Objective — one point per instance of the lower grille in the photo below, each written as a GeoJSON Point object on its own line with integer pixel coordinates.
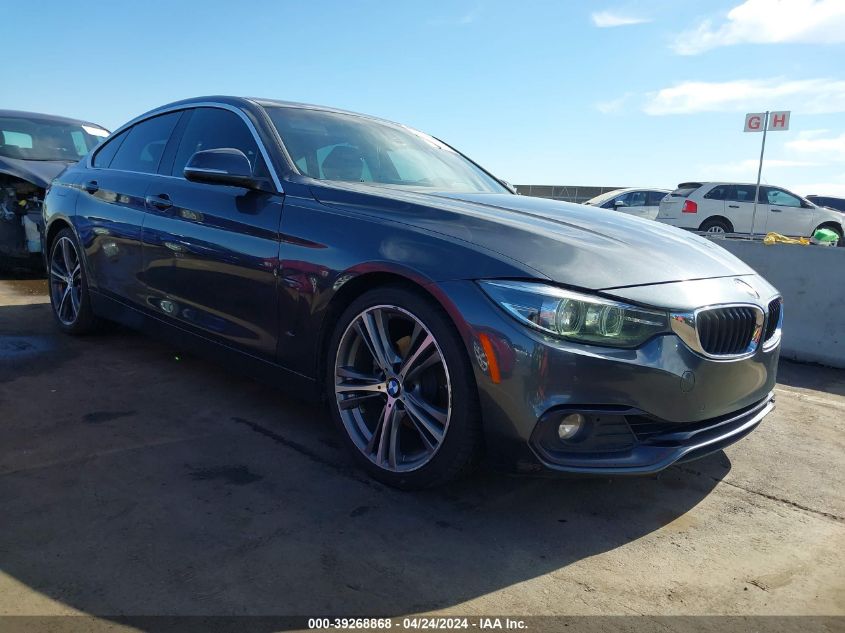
{"type": "Point", "coordinates": [650, 429]}
{"type": "Point", "coordinates": [726, 331]}
{"type": "Point", "coordinates": [774, 318]}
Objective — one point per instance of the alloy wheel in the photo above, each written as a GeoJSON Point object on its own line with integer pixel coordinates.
{"type": "Point", "coordinates": [65, 280]}
{"type": "Point", "coordinates": [392, 388]}
{"type": "Point", "coordinates": [716, 229]}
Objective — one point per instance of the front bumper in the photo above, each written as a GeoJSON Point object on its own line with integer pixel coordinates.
{"type": "Point", "coordinates": [648, 407]}
{"type": "Point", "coordinates": [641, 444]}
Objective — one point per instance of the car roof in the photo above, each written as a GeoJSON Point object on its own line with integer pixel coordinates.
{"type": "Point", "coordinates": [615, 192]}
{"type": "Point", "coordinates": [699, 183]}
{"type": "Point", "coordinates": [627, 189]}
{"type": "Point", "coordinates": [21, 114]}
{"type": "Point", "coordinates": [251, 102]}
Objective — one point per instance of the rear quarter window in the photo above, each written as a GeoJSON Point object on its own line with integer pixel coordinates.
{"type": "Point", "coordinates": [719, 192]}
{"type": "Point", "coordinates": [105, 154]}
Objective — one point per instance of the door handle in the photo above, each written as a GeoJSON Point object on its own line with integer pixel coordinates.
{"type": "Point", "coordinates": [734, 206]}
{"type": "Point", "coordinates": [776, 210]}
{"type": "Point", "coordinates": [161, 202]}
{"type": "Point", "coordinates": [91, 186]}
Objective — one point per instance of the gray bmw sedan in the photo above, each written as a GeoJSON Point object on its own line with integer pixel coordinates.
{"type": "Point", "coordinates": [442, 317]}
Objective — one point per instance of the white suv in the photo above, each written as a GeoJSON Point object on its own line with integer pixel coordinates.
{"type": "Point", "coordinates": [725, 207]}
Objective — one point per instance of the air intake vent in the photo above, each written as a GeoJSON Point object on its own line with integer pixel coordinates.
{"type": "Point", "coordinates": [727, 331]}
{"type": "Point", "coordinates": [774, 318]}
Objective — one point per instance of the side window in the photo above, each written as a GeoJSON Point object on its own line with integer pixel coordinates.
{"type": "Point", "coordinates": [611, 204]}
{"type": "Point", "coordinates": [213, 128]}
{"type": "Point", "coordinates": [104, 156]}
{"type": "Point", "coordinates": [654, 198]}
{"type": "Point", "coordinates": [144, 144]}
{"type": "Point", "coordinates": [719, 192]}
{"type": "Point", "coordinates": [637, 199]}
{"type": "Point", "coordinates": [782, 199]}
{"type": "Point", "coordinates": [743, 193]}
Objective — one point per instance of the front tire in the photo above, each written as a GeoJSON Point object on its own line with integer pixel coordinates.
{"type": "Point", "coordinates": [69, 286]}
{"type": "Point", "coordinates": [830, 227]}
{"type": "Point", "coordinates": [401, 390]}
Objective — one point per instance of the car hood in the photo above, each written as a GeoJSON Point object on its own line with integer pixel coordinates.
{"type": "Point", "coordinates": [572, 244]}
{"type": "Point", "coordinates": [38, 172]}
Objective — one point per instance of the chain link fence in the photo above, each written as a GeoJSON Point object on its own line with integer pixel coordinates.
{"type": "Point", "coordinates": [566, 193]}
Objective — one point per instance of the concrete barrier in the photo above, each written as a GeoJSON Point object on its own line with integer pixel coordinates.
{"type": "Point", "coordinates": [812, 282]}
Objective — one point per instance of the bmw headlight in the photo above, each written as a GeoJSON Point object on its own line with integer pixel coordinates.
{"type": "Point", "coordinates": [576, 316]}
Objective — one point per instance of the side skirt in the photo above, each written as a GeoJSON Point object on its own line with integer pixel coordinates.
{"type": "Point", "coordinates": [276, 376]}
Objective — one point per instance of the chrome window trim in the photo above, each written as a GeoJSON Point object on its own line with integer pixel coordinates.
{"type": "Point", "coordinates": [190, 106]}
{"type": "Point", "coordinates": [684, 324]}
{"type": "Point", "coordinates": [776, 337]}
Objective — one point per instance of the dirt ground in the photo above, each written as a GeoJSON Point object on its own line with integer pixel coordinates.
{"type": "Point", "coordinates": [136, 480]}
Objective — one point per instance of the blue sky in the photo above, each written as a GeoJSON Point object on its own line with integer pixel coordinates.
{"type": "Point", "coordinates": [647, 93]}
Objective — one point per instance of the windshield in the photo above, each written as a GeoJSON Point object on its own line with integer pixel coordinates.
{"type": "Point", "coordinates": [40, 139]}
{"type": "Point", "coordinates": [603, 197]}
{"type": "Point", "coordinates": [345, 147]}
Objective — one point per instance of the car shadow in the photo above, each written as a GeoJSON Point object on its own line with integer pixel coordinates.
{"type": "Point", "coordinates": [137, 481]}
{"type": "Point", "coordinates": [813, 377]}
{"type": "Point", "coordinates": [14, 272]}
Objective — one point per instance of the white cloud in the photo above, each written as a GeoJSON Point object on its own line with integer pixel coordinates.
{"type": "Point", "coordinates": [807, 96]}
{"type": "Point", "coordinates": [768, 22]}
{"type": "Point", "coordinates": [609, 19]}
{"type": "Point", "coordinates": [823, 148]}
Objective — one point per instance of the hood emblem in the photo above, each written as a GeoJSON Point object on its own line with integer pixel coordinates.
{"type": "Point", "coordinates": [747, 288]}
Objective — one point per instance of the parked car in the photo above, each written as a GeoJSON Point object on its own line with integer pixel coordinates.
{"type": "Point", "coordinates": [723, 207]}
{"type": "Point", "coordinates": [831, 202]}
{"type": "Point", "coordinates": [642, 203]}
{"type": "Point", "coordinates": [34, 148]}
{"type": "Point", "coordinates": [341, 256]}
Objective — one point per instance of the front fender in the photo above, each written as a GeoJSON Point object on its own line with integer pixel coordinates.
{"type": "Point", "coordinates": [323, 249]}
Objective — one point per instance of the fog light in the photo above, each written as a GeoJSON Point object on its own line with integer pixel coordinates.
{"type": "Point", "coordinates": [570, 425]}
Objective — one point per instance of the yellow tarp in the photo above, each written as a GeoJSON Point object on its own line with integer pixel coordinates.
{"type": "Point", "coordinates": [777, 238]}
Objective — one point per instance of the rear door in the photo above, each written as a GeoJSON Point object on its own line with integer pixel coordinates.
{"type": "Point", "coordinates": [712, 203]}
{"type": "Point", "coordinates": [652, 205]}
{"type": "Point", "coordinates": [111, 205]}
{"type": "Point", "coordinates": [211, 251]}
{"type": "Point", "coordinates": [786, 214]}
{"type": "Point", "coordinates": [739, 209]}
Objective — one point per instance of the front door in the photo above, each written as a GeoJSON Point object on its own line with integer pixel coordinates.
{"type": "Point", "coordinates": [210, 252]}
{"type": "Point", "coordinates": [787, 215]}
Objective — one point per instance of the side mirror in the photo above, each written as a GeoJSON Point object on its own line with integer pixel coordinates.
{"type": "Point", "coordinates": [223, 166]}
{"type": "Point", "coordinates": [619, 203]}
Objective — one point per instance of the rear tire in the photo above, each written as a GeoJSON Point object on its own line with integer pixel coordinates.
{"type": "Point", "coordinates": [401, 390]}
{"type": "Point", "coordinates": [68, 285]}
{"type": "Point", "coordinates": [716, 226]}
